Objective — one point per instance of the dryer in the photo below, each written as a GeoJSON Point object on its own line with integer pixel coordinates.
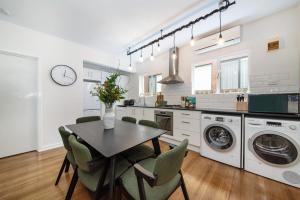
{"type": "Point", "coordinates": [221, 138]}
{"type": "Point", "coordinates": [272, 149]}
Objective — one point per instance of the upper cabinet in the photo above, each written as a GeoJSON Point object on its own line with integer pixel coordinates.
{"type": "Point", "coordinates": [92, 74]}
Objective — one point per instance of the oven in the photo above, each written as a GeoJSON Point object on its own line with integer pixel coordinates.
{"type": "Point", "coordinates": [165, 120]}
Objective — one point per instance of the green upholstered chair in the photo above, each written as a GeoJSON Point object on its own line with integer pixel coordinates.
{"type": "Point", "coordinates": [69, 158]}
{"type": "Point", "coordinates": [87, 119]}
{"type": "Point", "coordinates": [149, 123]}
{"type": "Point", "coordinates": [141, 151]}
{"type": "Point", "coordinates": [129, 119]}
{"type": "Point", "coordinates": [92, 172]}
{"type": "Point", "coordinates": [156, 179]}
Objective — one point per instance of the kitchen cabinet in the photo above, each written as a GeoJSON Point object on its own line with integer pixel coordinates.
{"type": "Point", "coordinates": [148, 114]}
{"type": "Point", "coordinates": [92, 74]}
{"type": "Point", "coordinates": [187, 125]}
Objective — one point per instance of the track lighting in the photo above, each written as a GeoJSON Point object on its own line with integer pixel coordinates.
{"type": "Point", "coordinates": [192, 42]}
{"type": "Point", "coordinates": [141, 56]}
{"type": "Point", "coordinates": [152, 56]}
{"type": "Point", "coordinates": [129, 58]}
{"type": "Point", "coordinates": [223, 5]}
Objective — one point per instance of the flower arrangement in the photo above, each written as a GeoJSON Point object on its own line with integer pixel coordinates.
{"type": "Point", "coordinates": [109, 92]}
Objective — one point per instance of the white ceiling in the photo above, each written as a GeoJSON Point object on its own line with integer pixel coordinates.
{"type": "Point", "coordinates": [103, 24]}
{"type": "Point", "coordinates": [112, 25]}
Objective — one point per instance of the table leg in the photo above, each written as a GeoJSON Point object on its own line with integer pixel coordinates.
{"type": "Point", "coordinates": [112, 178]}
{"type": "Point", "coordinates": [156, 146]}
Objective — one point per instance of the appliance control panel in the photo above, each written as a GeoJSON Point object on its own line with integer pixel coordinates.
{"type": "Point", "coordinates": [273, 124]}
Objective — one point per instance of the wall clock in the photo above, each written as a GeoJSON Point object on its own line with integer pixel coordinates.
{"type": "Point", "coordinates": [63, 75]}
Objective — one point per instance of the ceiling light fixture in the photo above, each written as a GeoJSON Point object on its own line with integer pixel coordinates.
{"type": "Point", "coordinates": [141, 56]}
{"type": "Point", "coordinates": [152, 56]}
{"type": "Point", "coordinates": [192, 42]}
{"type": "Point", "coordinates": [174, 48]}
{"type": "Point", "coordinates": [223, 5]}
{"type": "Point", "coordinates": [158, 45]}
{"type": "Point", "coordinates": [221, 39]}
{"type": "Point", "coordinates": [129, 59]}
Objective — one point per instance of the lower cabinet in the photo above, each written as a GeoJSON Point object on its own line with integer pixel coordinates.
{"type": "Point", "coordinates": [193, 137]}
{"type": "Point", "coordinates": [136, 112]}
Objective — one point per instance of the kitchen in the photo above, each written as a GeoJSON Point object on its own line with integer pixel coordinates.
{"type": "Point", "coordinates": [227, 86]}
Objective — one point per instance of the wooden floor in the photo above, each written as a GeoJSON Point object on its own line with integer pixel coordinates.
{"type": "Point", "coordinates": [31, 176]}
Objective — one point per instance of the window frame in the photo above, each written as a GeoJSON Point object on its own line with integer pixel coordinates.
{"type": "Point", "coordinates": [201, 64]}
{"type": "Point", "coordinates": [232, 58]}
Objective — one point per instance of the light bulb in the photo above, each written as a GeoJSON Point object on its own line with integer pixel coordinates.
{"type": "Point", "coordinates": [141, 59]}
{"type": "Point", "coordinates": [220, 40]}
{"type": "Point", "coordinates": [174, 55]}
{"type": "Point", "coordinates": [192, 42]}
{"type": "Point", "coordinates": [158, 47]}
{"type": "Point", "coordinates": [151, 57]}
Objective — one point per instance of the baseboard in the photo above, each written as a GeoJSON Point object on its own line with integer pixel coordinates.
{"type": "Point", "coordinates": [50, 146]}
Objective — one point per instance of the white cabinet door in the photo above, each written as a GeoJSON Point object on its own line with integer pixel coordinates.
{"type": "Point", "coordinates": [139, 113]}
{"type": "Point", "coordinates": [193, 137]}
{"type": "Point", "coordinates": [148, 114]}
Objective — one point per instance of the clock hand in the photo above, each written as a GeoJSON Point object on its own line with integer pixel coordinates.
{"type": "Point", "coordinates": [69, 77]}
{"type": "Point", "coordinates": [65, 73]}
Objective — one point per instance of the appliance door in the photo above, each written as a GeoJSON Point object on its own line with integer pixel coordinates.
{"type": "Point", "coordinates": [165, 123]}
{"type": "Point", "coordinates": [274, 103]}
{"type": "Point", "coordinates": [274, 148]}
{"type": "Point", "coordinates": [219, 137]}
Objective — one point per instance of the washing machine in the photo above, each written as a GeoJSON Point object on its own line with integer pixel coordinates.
{"type": "Point", "coordinates": [272, 149]}
{"type": "Point", "coordinates": [221, 138]}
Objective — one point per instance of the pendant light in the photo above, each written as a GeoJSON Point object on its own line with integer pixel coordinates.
{"type": "Point", "coordinates": [192, 42]}
{"type": "Point", "coordinates": [152, 56]}
{"type": "Point", "coordinates": [220, 40]}
{"type": "Point", "coordinates": [158, 45]}
{"type": "Point", "coordinates": [141, 56]}
{"type": "Point", "coordinates": [129, 58]}
{"type": "Point", "coordinates": [174, 49]}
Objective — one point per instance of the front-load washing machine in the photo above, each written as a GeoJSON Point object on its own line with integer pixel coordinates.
{"type": "Point", "coordinates": [272, 149]}
{"type": "Point", "coordinates": [221, 138]}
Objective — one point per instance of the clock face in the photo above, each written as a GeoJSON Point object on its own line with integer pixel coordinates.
{"type": "Point", "coordinates": [63, 75]}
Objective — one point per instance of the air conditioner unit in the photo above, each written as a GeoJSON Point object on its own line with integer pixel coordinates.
{"type": "Point", "coordinates": [231, 37]}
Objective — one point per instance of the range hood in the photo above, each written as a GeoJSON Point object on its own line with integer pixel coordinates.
{"type": "Point", "coordinates": [173, 77]}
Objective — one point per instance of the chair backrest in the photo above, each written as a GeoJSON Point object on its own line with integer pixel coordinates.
{"type": "Point", "coordinates": [129, 119]}
{"type": "Point", "coordinates": [168, 164]}
{"type": "Point", "coordinates": [81, 154]}
{"type": "Point", "coordinates": [87, 119]}
{"type": "Point", "coordinates": [149, 123]}
{"type": "Point", "coordinates": [65, 136]}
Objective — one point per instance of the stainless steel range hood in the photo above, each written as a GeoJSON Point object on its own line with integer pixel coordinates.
{"type": "Point", "coordinates": [173, 77]}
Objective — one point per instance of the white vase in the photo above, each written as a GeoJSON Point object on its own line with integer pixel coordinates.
{"type": "Point", "coordinates": [109, 118]}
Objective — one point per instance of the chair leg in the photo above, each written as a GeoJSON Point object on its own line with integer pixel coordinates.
{"type": "Point", "coordinates": [67, 166]}
{"type": "Point", "coordinates": [101, 181]}
{"type": "Point", "coordinates": [72, 185]}
{"type": "Point", "coordinates": [183, 188]}
{"type": "Point", "coordinates": [61, 170]}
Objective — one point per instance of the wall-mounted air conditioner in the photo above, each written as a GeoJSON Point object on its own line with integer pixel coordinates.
{"type": "Point", "coordinates": [231, 37]}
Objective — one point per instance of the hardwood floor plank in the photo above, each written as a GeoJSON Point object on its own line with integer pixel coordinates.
{"type": "Point", "coordinates": [31, 176]}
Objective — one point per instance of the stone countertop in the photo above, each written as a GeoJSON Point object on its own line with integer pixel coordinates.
{"type": "Point", "coordinates": [229, 112]}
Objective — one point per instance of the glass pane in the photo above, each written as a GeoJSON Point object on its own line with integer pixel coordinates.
{"type": "Point", "coordinates": [158, 85]}
{"type": "Point", "coordinates": [219, 138]}
{"type": "Point", "coordinates": [230, 74]}
{"type": "Point", "coordinates": [202, 77]}
{"type": "Point", "coordinates": [275, 149]}
{"type": "Point", "coordinates": [244, 73]}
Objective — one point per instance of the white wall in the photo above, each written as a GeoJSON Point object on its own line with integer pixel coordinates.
{"type": "Point", "coordinates": [276, 71]}
{"type": "Point", "coordinates": [59, 105]}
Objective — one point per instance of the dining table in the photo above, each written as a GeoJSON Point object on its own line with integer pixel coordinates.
{"type": "Point", "coordinates": [112, 142]}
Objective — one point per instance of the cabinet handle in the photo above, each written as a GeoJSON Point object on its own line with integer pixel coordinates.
{"type": "Point", "coordinates": [185, 114]}
{"type": "Point", "coordinates": [185, 122]}
{"type": "Point", "coordinates": [185, 135]}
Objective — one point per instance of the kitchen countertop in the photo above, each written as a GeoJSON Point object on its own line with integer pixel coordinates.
{"type": "Point", "coordinates": [230, 112]}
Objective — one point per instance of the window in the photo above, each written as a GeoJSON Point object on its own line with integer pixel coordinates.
{"type": "Point", "coordinates": [202, 78]}
{"type": "Point", "coordinates": [234, 74]}
{"type": "Point", "coordinates": [154, 86]}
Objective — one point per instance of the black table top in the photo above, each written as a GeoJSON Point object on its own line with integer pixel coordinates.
{"type": "Point", "coordinates": [111, 142]}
